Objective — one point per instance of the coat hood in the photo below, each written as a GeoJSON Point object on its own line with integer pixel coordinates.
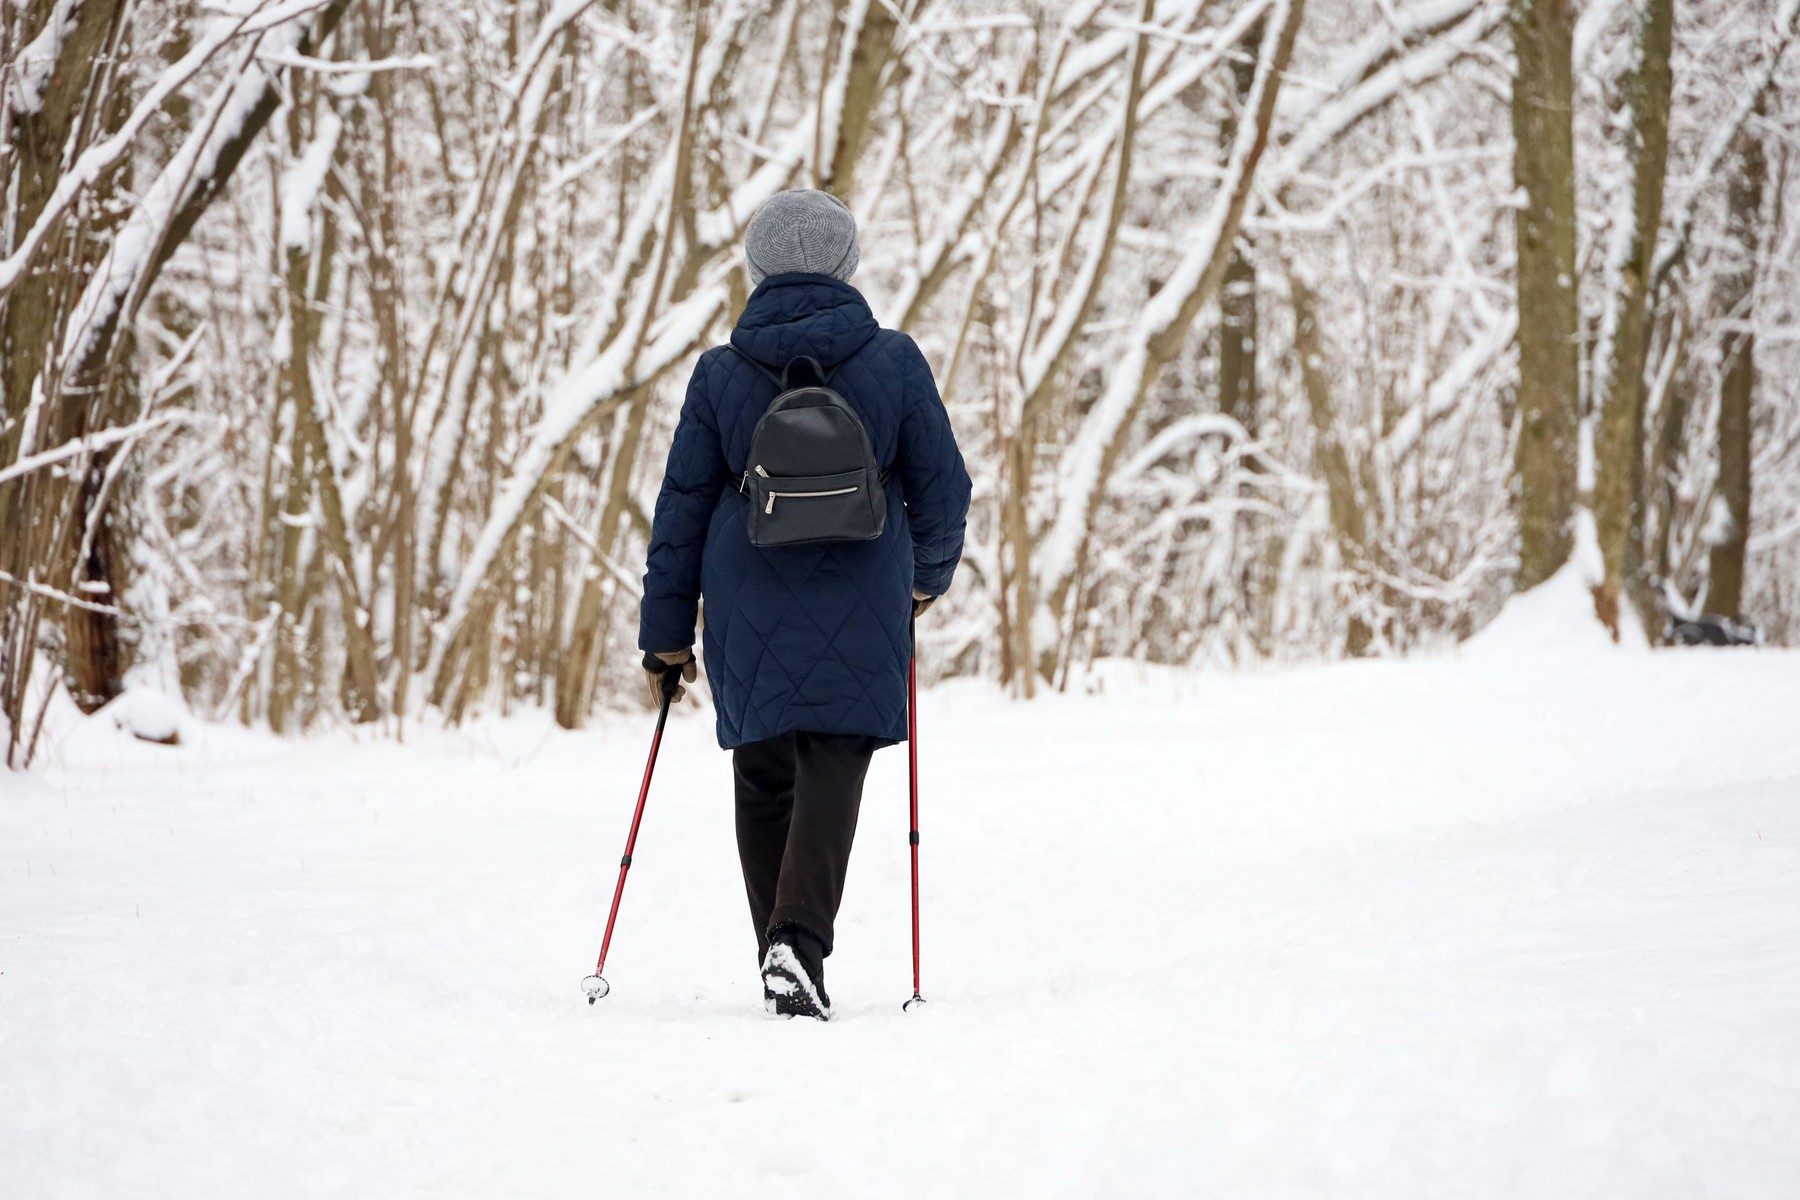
{"type": "Point", "coordinates": [791, 315]}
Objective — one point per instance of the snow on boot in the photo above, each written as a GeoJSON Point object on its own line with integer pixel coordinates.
{"type": "Point", "coordinates": [792, 987]}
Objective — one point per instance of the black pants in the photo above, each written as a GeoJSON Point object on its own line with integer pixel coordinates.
{"type": "Point", "coordinates": [797, 799]}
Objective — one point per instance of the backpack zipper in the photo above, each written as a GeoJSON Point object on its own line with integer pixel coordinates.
{"type": "Point", "coordinates": [769, 508]}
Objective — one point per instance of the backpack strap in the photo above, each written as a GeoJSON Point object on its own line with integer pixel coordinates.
{"type": "Point", "coordinates": [823, 376]}
{"type": "Point", "coordinates": [779, 381]}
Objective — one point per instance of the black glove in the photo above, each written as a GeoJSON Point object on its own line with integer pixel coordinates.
{"type": "Point", "coordinates": [666, 672]}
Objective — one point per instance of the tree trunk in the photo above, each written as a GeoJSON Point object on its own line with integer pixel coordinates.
{"type": "Point", "coordinates": [377, 179]}
{"type": "Point", "coordinates": [1330, 457]}
{"type": "Point", "coordinates": [869, 59]}
{"type": "Point", "coordinates": [38, 141]}
{"type": "Point", "coordinates": [1237, 291]}
{"type": "Point", "coordinates": [1549, 370]}
{"type": "Point", "coordinates": [95, 650]}
{"type": "Point", "coordinates": [1737, 296]}
{"type": "Point", "coordinates": [1671, 425]}
{"type": "Point", "coordinates": [1619, 444]}
{"type": "Point", "coordinates": [44, 514]}
{"type": "Point", "coordinates": [286, 688]}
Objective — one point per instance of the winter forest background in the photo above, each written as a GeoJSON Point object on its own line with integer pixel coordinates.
{"type": "Point", "coordinates": [343, 338]}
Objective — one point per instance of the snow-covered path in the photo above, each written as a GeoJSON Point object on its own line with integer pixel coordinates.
{"type": "Point", "coordinates": [1477, 926]}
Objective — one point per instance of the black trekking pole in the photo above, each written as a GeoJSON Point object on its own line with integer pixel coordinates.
{"type": "Point", "coordinates": [595, 985]}
{"type": "Point", "coordinates": [912, 758]}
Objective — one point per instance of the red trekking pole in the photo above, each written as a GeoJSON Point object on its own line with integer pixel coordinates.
{"type": "Point", "coordinates": [912, 757]}
{"type": "Point", "coordinates": [594, 985]}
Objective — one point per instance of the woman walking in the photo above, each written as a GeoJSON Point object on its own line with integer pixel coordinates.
{"type": "Point", "coordinates": [806, 645]}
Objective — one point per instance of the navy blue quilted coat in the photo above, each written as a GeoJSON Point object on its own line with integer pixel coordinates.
{"type": "Point", "coordinates": [804, 637]}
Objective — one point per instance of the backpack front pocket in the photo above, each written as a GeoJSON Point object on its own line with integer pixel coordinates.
{"type": "Point", "coordinates": [789, 510]}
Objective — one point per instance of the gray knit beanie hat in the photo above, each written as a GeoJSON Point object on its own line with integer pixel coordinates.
{"type": "Point", "coordinates": [802, 231]}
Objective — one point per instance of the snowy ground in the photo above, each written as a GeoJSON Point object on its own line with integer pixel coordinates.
{"type": "Point", "coordinates": [1490, 925]}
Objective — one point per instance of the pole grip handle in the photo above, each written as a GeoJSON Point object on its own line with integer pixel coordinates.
{"type": "Point", "coordinates": [669, 672]}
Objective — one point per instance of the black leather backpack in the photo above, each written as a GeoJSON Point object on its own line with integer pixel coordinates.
{"type": "Point", "coordinates": [811, 476]}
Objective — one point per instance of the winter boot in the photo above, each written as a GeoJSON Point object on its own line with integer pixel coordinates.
{"type": "Point", "coordinates": [794, 975]}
